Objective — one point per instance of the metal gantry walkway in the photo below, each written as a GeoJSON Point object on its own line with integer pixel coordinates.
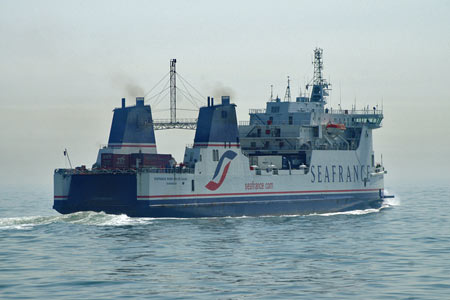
{"type": "Point", "coordinates": [173, 122]}
{"type": "Point", "coordinates": [178, 124]}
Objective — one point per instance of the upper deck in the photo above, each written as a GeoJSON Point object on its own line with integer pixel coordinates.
{"type": "Point", "coordinates": [312, 114]}
{"type": "Point", "coordinates": [305, 124]}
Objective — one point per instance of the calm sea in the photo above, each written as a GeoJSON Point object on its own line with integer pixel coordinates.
{"type": "Point", "coordinates": [401, 251]}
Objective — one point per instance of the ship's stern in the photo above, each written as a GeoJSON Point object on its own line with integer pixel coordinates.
{"type": "Point", "coordinates": [113, 193]}
{"type": "Point", "coordinates": [61, 188]}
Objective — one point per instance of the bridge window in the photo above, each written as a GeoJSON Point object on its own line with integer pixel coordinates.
{"type": "Point", "coordinates": [275, 109]}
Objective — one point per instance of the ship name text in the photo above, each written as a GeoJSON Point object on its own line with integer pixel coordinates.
{"type": "Point", "coordinates": [338, 173]}
{"type": "Point", "coordinates": [259, 186]}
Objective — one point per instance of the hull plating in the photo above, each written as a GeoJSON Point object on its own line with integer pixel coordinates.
{"type": "Point", "coordinates": [116, 194]}
{"type": "Point", "coordinates": [231, 208]}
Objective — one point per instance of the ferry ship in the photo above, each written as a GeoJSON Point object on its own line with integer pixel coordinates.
{"type": "Point", "coordinates": [294, 157]}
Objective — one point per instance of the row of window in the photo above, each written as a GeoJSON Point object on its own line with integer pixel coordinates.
{"type": "Point", "coordinates": [290, 120]}
{"type": "Point", "coordinates": [339, 120]}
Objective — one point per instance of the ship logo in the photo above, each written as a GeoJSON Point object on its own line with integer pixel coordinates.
{"type": "Point", "coordinates": [212, 185]}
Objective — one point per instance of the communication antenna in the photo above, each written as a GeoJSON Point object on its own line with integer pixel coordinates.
{"type": "Point", "coordinates": [271, 92]}
{"type": "Point", "coordinates": [300, 91]}
{"type": "Point", "coordinates": [287, 96]}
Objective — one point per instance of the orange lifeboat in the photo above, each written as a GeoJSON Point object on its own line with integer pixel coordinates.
{"type": "Point", "coordinates": [335, 129]}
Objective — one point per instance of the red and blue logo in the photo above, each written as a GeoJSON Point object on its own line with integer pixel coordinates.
{"type": "Point", "coordinates": [212, 185]}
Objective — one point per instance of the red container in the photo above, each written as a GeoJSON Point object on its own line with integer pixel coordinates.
{"type": "Point", "coordinates": [157, 160]}
{"type": "Point", "coordinates": [107, 160]}
{"type": "Point", "coordinates": [125, 161]}
{"type": "Point", "coordinates": [121, 161]}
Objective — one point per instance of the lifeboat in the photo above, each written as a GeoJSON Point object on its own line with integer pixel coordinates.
{"type": "Point", "coordinates": [335, 129]}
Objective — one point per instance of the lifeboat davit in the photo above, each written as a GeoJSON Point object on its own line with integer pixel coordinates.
{"type": "Point", "coordinates": [335, 129]}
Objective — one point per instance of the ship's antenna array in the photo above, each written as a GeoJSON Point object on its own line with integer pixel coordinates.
{"type": "Point", "coordinates": [318, 67]}
{"type": "Point", "coordinates": [319, 84]}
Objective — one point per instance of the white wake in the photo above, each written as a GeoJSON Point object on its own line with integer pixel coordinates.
{"type": "Point", "coordinates": [84, 218]}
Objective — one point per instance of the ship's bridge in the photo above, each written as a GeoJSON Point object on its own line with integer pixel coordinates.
{"type": "Point", "coordinates": [290, 127]}
{"type": "Point", "coordinates": [288, 113]}
{"type": "Point", "coordinates": [313, 114]}
{"type": "Point", "coordinates": [372, 118]}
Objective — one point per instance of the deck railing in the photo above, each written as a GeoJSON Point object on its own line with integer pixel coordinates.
{"type": "Point", "coordinates": [82, 171]}
{"type": "Point", "coordinates": [332, 111]}
{"type": "Point", "coordinates": [257, 111]}
{"type": "Point", "coordinates": [355, 111]}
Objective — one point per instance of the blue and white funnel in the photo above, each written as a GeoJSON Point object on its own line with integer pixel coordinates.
{"type": "Point", "coordinates": [132, 129]}
{"type": "Point", "coordinates": [217, 125]}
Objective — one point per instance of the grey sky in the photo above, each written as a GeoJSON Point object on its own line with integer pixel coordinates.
{"type": "Point", "coordinates": [66, 64]}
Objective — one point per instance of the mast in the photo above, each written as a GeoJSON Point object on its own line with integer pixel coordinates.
{"type": "Point", "coordinates": [319, 85]}
{"type": "Point", "coordinates": [173, 122]}
{"type": "Point", "coordinates": [287, 96]}
{"type": "Point", "coordinates": [318, 67]}
{"type": "Point", "coordinates": [173, 91]}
